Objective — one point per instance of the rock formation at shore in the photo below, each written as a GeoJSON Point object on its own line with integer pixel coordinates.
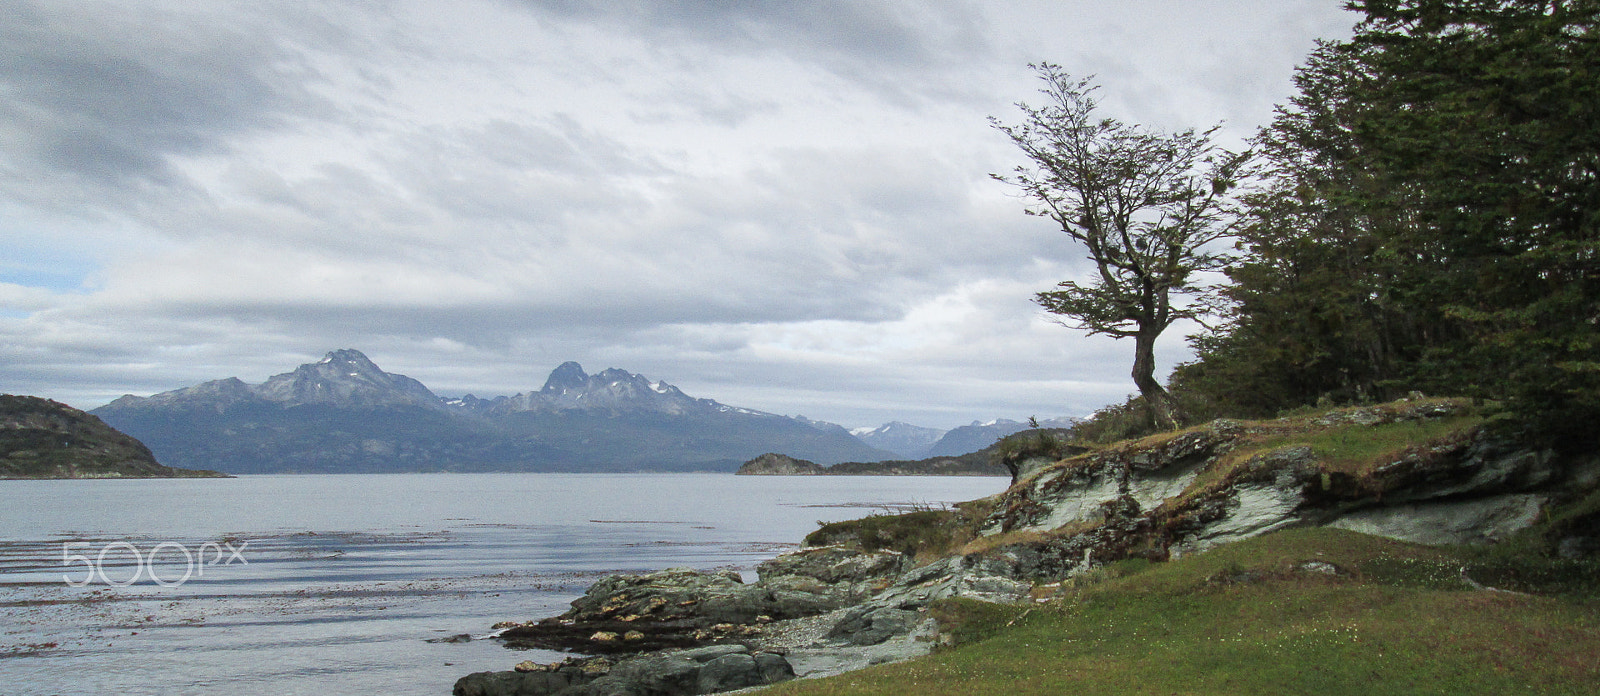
{"type": "Point", "coordinates": [704, 670]}
{"type": "Point", "coordinates": [1423, 471]}
{"type": "Point", "coordinates": [681, 631]}
{"type": "Point", "coordinates": [40, 438]}
{"type": "Point", "coordinates": [680, 607]}
{"type": "Point", "coordinates": [1444, 481]}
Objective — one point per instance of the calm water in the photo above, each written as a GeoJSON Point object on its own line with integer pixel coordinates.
{"type": "Point", "coordinates": [336, 583]}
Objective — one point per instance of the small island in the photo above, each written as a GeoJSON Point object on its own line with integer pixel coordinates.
{"type": "Point", "coordinates": [44, 439]}
{"type": "Point", "coordinates": [774, 464]}
{"type": "Point", "coordinates": [993, 460]}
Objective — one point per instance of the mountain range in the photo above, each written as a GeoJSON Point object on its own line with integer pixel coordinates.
{"type": "Point", "coordinates": [978, 435]}
{"type": "Point", "coordinates": [904, 439]}
{"type": "Point", "coordinates": [916, 442]}
{"type": "Point", "coordinates": [343, 414]}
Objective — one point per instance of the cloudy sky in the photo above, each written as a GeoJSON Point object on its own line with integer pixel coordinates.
{"type": "Point", "coordinates": [783, 205]}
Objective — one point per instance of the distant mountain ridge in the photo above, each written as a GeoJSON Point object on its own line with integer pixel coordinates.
{"type": "Point", "coordinates": [569, 388]}
{"type": "Point", "coordinates": [979, 435]}
{"type": "Point", "coordinates": [907, 440]}
{"type": "Point", "coordinates": [344, 378]}
{"type": "Point", "coordinates": [345, 414]}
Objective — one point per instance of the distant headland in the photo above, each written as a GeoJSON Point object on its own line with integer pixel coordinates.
{"type": "Point", "coordinates": [44, 439]}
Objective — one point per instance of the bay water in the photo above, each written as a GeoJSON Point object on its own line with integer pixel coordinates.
{"type": "Point", "coordinates": [347, 584]}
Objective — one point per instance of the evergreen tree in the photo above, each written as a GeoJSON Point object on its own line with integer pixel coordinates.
{"type": "Point", "coordinates": [1433, 218]}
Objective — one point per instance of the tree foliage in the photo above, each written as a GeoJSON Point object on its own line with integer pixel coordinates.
{"type": "Point", "coordinates": [1431, 221]}
{"type": "Point", "coordinates": [1146, 206]}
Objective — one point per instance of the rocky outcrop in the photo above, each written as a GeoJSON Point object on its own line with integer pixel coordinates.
{"type": "Point", "coordinates": [40, 438]}
{"type": "Point", "coordinates": [1472, 521]}
{"type": "Point", "coordinates": [680, 607]}
{"type": "Point", "coordinates": [974, 576]}
{"type": "Point", "coordinates": [533, 679]}
{"type": "Point", "coordinates": [705, 670]}
{"type": "Point", "coordinates": [1421, 471]}
{"type": "Point", "coordinates": [1188, 491]}
{"type": "Point", "coordinates": [850, 573]}
{"type": "Point", "coordinates": [687, 630]}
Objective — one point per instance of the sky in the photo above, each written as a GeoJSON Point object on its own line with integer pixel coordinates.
{"type": "Point", "coordinates": [781, 205]}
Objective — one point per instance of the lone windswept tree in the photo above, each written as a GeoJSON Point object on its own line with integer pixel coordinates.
{"type": "Point", "coordinates": [1149, 207]}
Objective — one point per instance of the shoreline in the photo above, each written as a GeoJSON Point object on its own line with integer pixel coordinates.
{"type": "Point", "coordinates": [818, 611]}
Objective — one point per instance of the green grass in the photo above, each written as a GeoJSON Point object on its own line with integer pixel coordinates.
{"type": "Point", "coordinates": [1248, 619]}
{"type": "Point", "coordinates": [1257, 617]}
{"type": "Point", "coordinates": [1354, 449]}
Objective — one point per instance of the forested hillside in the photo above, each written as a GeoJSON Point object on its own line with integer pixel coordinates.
{"type": "Point", "coordinates": [1425, 217]}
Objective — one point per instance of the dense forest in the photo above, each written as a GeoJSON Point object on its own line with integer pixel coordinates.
{"type": "Point", "coordinates": [1423, 215]}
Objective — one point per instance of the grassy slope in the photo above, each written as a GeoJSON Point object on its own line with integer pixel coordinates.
{"type": "Point", "coordinates": [1247, 619]}
{"type": "Point", "coordinates": [1352, 452]}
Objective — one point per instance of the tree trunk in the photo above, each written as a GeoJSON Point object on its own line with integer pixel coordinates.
{"type": "Point", "coordinates": [1163, 410]}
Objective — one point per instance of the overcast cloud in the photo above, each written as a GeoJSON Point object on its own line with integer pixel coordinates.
{"type": "Point", "coordinates": [782, 205]}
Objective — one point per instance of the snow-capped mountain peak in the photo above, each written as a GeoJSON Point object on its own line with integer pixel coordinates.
{"type": "Point", "coordinates": [904, 439]}
{"type": "Point", "coordinates": [344, 413]}
{"type": "Point", "coordinates": [345, 378]}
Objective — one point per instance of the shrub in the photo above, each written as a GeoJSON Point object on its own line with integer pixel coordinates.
{"type": "Point", "coordinates": [1017, 449]}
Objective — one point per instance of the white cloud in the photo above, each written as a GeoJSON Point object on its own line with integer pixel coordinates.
{"type": "Point", "coordinates": [24, 298]}
{"type": "Point", "coordinates": [784, 206]}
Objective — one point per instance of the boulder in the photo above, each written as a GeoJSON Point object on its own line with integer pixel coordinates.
{"type": "Point", "coordinates": [834, 571]}
{"type": "Point", "coordinates": [666, 674]}
{"type": "Point", "coordinates": [704, 670]}
{"type": "Point", "coordinates": [869, 625]}
{"type": "Point", "coordinates": [727, 673]}
{"type": "Point", "coordinates": [773, 668]}
{"type": "Point", "coordinates": [985, 578]}
{"type": "Point", "coordinates": [554, 679]}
